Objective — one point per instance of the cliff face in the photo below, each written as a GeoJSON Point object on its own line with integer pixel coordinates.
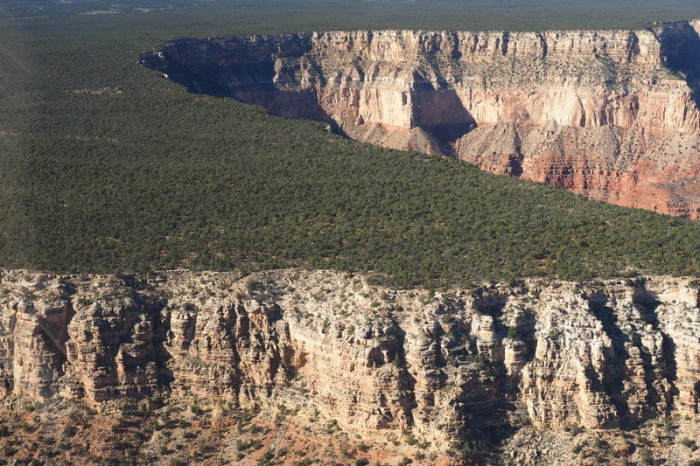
{"type": "Point", "coordinates": [600, 355]}
{"type": "Point", "coordinates": [610, 114]}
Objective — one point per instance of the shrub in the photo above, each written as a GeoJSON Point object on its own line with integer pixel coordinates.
{"type": "Point", "coordinates": [689, 444]}
{"type": "Point", "coordinates": [573, 429]}
{"type": "Point", "coordinates": [647, 457]}
{"type": "Point", "coordinates": [513, 333]}
{"type": "Point", "coordinates": [196, 410]}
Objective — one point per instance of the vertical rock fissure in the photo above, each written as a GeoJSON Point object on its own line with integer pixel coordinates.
{"type": "Point", "coordinates": [7, 329]}
{"type": "Point", "coordinates": [632, 46]}
{"type": "Point", "coordinates": [161, 327]}
{"type": "Point", "coordinates": [406, 381]}
{"type": "Point", "coordinates": [670, 374]}
{"type": "Point", "coordinates": [658, 397]}
{"type": "Point", "coordinates": [489, 418]}
{"type": "Point", "coordinates": [504, 43]}
{"type": "Point", "coordinates": [241, 324]}
{"type": "Point", "coordinates": [616, 369]}
{"type": "Point", "coordinates": [543, 44]}
{"type": "Point", "coordinates": [680, 49]}
{"type": "Point", "coordinates": [51, 332]}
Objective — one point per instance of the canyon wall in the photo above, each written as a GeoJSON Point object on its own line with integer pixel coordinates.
{"type": "Point", "coordinates": [613, 115]}
{"type": "Point", "coordinates": [600, 355]}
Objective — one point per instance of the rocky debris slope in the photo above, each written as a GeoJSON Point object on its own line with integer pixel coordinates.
{"type": "Point", "coordinates": [448, 365]}
{"type": "Point", "coordinates": [613, 115]}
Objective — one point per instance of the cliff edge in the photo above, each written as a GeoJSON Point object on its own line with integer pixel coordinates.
{"type": "Point", "coordinates": [613, 115]}
{"type": "Point", "coordinates": [445, 366]}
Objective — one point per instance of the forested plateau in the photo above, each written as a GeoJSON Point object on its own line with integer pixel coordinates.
{"type": "Point", "coordinates": [190, 278]}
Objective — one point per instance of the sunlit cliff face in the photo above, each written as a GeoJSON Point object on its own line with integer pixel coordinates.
{"type": "Point", "coordinates": [600, 355]}
{"type": "Point", "coordinates": [613, 115]}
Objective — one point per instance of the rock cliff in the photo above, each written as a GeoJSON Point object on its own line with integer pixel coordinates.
{"type": "Point", "coordinates": [599, 355]}
{"type": "Point", "coordinates": [613, 115]}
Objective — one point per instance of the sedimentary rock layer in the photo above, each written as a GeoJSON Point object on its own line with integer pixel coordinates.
{"type": "Point", "coordinates": [609, 114]}
{"type": "Point", "coordinates": [599, 355]}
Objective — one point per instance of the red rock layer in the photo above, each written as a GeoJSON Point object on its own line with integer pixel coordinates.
{"type": "Point", "coordinates": [613, 115]}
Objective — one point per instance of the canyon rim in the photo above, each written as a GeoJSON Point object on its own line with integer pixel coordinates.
{"type": "Point", "coordinates": [587, 351]}
{"type": "Point", "coordinates": [416, 372]}
{"type": "Point", "coordinates": [613, 115]}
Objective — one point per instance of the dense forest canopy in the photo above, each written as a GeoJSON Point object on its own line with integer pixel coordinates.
{"type": "Point", "coordinates": [106, 167]}
{"type": "Point", "coordinates": [197, 18]}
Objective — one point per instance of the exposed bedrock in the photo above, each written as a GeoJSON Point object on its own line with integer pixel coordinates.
{"type": "Point", "coordinates": [599, 355]}
{"type": "Point", "coordinates": [613, 115]}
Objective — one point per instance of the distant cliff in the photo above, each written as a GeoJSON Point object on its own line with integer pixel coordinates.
{"type": "Point", "coordinates": [613, 115]}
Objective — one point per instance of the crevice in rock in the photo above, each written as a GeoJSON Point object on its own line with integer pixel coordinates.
{"type": "Point", "coordinates": [680, 49]}
{"type": "Point", "coordinates": [52, 332]}
{"type": "Point", "coordinates": [406, 381]}
{"type": "Point", "coordinates": [273, 353]}
{"type": "Point", "coordinates": [670, 372]}
{"type": "Point", "coordinates": [491, 305]}
{"type": "Point", "coordinates": [504, 43]}
{"type": "Point", "coordinates": [160, 330]}
{"type": "Point", "coordinates": [238, 336]}
{"type": "Point", "coordinates": [653, 398]}
{"type": "Point", "coordinates": [375, 357]}
{"type": "Point", "coordinates": [9, 335]}
{"type": "Point", "coordinates": [633, 46]}
{"type": "Point", "coordinates": [55, 363]}
{"type": "Point", "coordinates": [543, 44]}
{"type": "Point", "coordinates": [488, 412]}
{"type": "Point", "coordinates": [658, 397]}
{"type": "Point", "coordinates": [525, 327]}
{"type": "Point", "coordinates": [615, 371]}
{"type": "Point", "coordinates": [646, 303]}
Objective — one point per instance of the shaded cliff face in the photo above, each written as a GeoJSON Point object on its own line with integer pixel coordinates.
{"type": "Point", "coordinates": [610, 114]}
{"type": "Point", "coordinates": [601, 355]}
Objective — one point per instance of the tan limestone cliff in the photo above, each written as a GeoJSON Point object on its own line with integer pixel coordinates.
{"type": "Point", "coordinates": [600, 355]}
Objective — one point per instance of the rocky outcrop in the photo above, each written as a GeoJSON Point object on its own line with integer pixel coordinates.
{"type": "Point", "coordinates": [600, 355]}
{"type": "Point", "coordinates": [613, 115]}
